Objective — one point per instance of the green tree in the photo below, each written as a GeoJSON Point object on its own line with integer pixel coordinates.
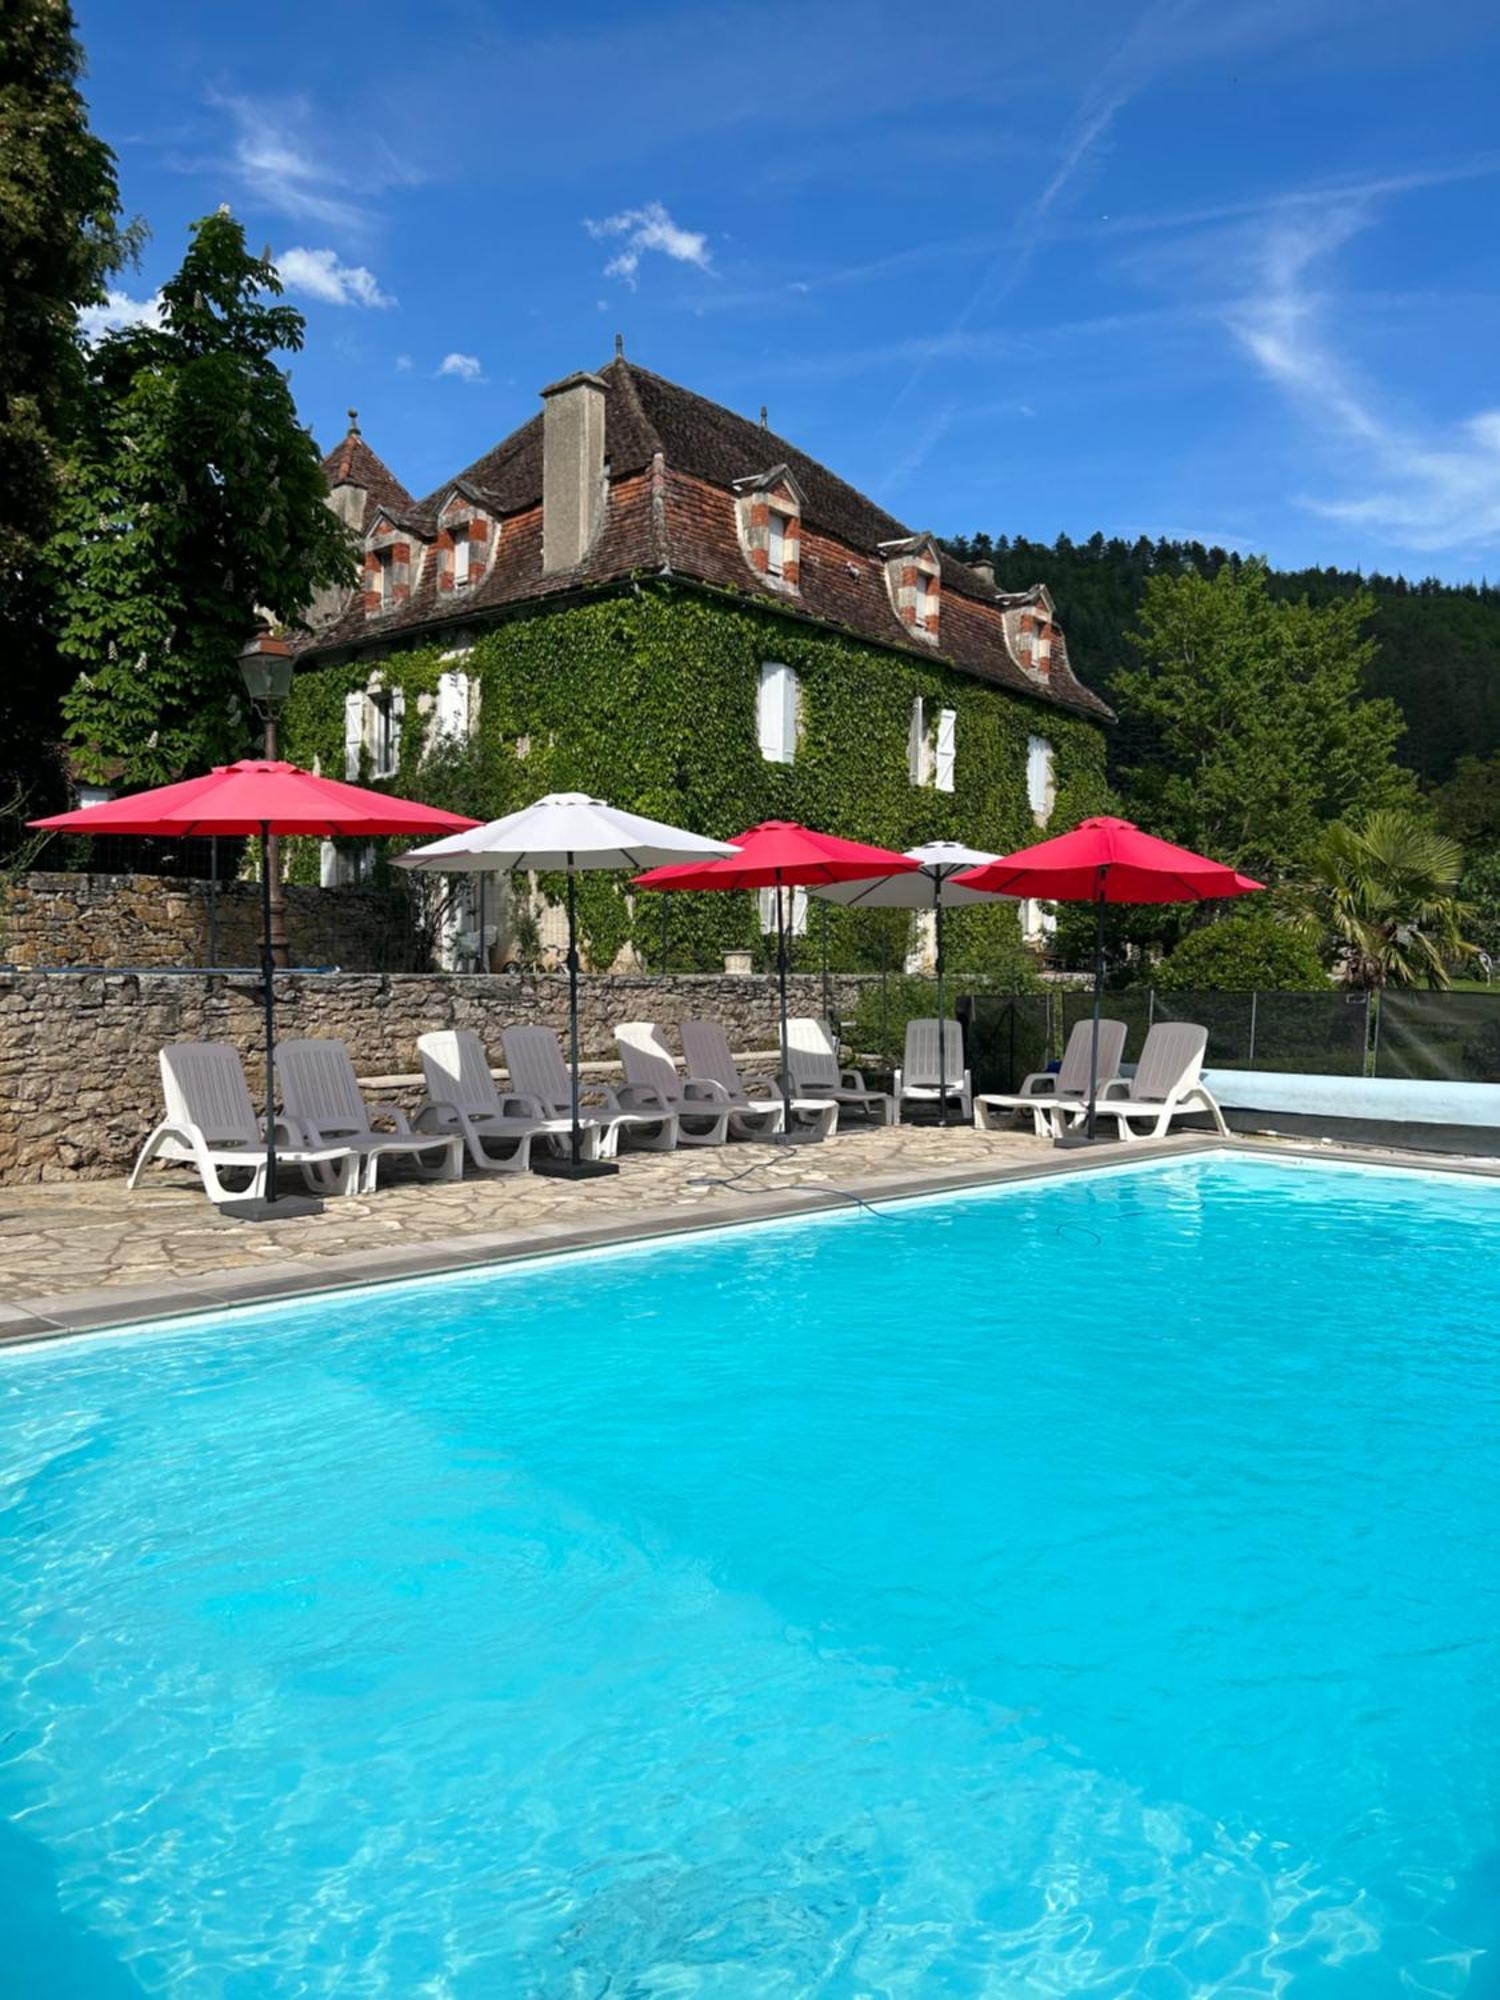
{"type": "Point", "coordinates": [1250, 951]}
{"type": "Point", "coordinates": [1261, 734]}
{"type": "Point", "coordinates": [1468, 806]}
{"type": "Point", "coordinates": [1384, 894]}
{"type": "Point", "coordinates": [194, 501]}
{"type": "Point", "coordinates": [60, 237]}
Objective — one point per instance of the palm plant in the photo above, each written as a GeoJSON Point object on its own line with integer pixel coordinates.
{"type": "Point", "coordinates": [1384, 895]}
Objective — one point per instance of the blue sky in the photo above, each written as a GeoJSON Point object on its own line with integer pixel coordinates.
{"type": "Point", "coordinates": [1214, 268]}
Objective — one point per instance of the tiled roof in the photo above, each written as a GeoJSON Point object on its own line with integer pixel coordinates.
{"type": "Point", "coordinates": [352, 463]}
{"type": "Point", "coordinates": [673, 458]}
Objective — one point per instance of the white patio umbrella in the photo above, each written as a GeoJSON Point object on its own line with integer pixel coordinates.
{"type": "Point", "coordinates": [566, 831]}
{"type": "Point", "coordinates": [929, 887]}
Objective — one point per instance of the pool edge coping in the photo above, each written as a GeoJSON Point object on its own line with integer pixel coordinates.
{"type": "Point", "coordinates": [125, 1307]}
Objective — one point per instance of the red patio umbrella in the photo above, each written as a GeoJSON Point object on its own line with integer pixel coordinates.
{"type": "Point", "coordinates": [779, 854]}
{"type": "Point", "coordinates": [1106, 861]}
{"type": "Point", "coordinates": [260, 798]}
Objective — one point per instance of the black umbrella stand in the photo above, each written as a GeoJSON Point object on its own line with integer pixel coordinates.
{"type": "Point", "coordinates": [1090, 1134]}
{"type": "Point", "coordinates": [572, 1166]}
{"type": "Point", "coordinates": [937, 904]}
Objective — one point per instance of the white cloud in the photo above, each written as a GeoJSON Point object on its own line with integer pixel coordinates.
{"type": "Point", "coordinates": [648, 228]}
{"type": "Point", "coordinates": [119, 310]}
{"type": "Point", "coordinates": [1414, 483]}
{"type": "Point", "coordinates": [321, 275]}
{"type": "Point", "coordinates": [283, 156]}
{"type": "Point", "coordinates": [404, 364]}
{"type": "Point", "coordinates": [462, 367]}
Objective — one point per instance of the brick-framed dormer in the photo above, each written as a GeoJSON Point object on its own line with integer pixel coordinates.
{"type": "Point", "coordinates": [913, 580]}
{"type": "Point", "coordinates": [768, 515]}
{"type": "Point", "coordinates": [464, 541]}
{"type": "Point", "coordinates": [386, 578]}
{"type": "Point", "coordinates": [1031, 631]}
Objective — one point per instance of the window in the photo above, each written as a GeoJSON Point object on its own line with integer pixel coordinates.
{"type": "Point", "coordinates": [385, 576]}
{"type": "Point", "coordinates": [450, 716]}
{"type": "Point", "coordinates": [947, 733]}
{"type": "Point", "coordinates": [385, 736]}
{"type": "Point", "coordinates": [461, 555]}
{"type": "Point", "coordinates": [372, 731]}
{"type": "Point", "coordinates": [776, 718]}
{"type": "Point", "coordinates": [918, 749]}
{"type": "Point", "coordinates": [1041, 784]}
{"type": "Point", "coordinates": [926, 601]}
{"type": "Point", "coordinates": [794, 908]}
{"type": "Point", "coordinates": [344, 867]}
{"type": "Point", "coordinates": [776, 545]}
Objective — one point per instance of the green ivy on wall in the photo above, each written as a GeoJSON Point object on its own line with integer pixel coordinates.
{"type": "Point", "coordinates": [648, 698]}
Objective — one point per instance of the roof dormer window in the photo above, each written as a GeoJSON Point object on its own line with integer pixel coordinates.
{"type": "Point", "coordinates": [768, 510]}
{"type": "Point", "coordinates": [387, 567]}
{"type": "Point", "coordinates": [462, 537]}
{"type": "Point", "coordinates": [912, 578]}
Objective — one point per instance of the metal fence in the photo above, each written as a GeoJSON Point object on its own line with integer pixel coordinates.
{"type": "Point", "coordinates": [1453, 1036]}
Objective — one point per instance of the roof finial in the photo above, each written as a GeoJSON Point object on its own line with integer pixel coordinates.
{"type": "Point", "coordinates": [354, 423]}
{"type": "Point", "coordinates": [764, 418]}
{"type": "Point", "coordinates": [619, 347]}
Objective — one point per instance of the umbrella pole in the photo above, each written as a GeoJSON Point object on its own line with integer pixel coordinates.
{"type": "Point", "coordinates": [1098, 1004]}
{"type": "Point", "coordinates": [937, 904]}
{"type": "Point", "coordinates": [268, 975]}
{"type": "Point", "coordinates": [827, 1007]}
{"type": "Point", "coordinates": [576, 1137]}
{"type": "Point", "coordinates": [786, 1044]}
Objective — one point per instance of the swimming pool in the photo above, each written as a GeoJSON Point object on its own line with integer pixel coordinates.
{"type": "Point", "coordinates": [1085, 1586]}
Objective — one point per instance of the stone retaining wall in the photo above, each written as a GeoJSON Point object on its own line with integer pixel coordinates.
{"type": "Point", "coordinates": [63, 919]}
{"type": "Point", "coordinates": [79, 1084]}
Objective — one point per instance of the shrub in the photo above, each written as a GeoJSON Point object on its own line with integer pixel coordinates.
{"type": "Point", "coordinates": [1251, 951]}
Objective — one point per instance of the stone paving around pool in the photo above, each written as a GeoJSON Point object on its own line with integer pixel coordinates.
{"type": "Point", "coordinates": [92, 1253]}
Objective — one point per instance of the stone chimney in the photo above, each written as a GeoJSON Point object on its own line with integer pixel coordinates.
{"type": "Point", "coordinates": [572, 470]}
{"type": "Point", "coordinates": [985, 571]}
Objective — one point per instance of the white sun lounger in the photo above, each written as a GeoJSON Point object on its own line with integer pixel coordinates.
{"type": "Point", "coordinates": [700, 1106]}
{"type": "Point", "coordinates": [1167, 1083]}
{"type": "Point", "coordinates": [1047, 1094]}
{"type": "Point", "coordinates": [706, 1051]}
{"type": "Point", "coordinates": [462, 1102]}
{"type": "Point", "coordinates": [321, 1102]}
{"type": "Point", "coordinates": [537, 1070]}
{"type": "Point", "coordinates": [918, 1079]}
{"type": "Point", "coordinates": [212, 1125]}
{"type": "Point", "coordinates": [815, 1073]}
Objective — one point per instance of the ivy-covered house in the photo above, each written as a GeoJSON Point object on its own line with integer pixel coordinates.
{"type": "Point", "coordinates": [643, 595]}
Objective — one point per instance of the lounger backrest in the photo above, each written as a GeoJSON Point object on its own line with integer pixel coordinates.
{"type": "Point", "coordinates": [457, 1071]}
{"type": "Point", "coordinates": [920, 1063]}
{"type": "Point", "coordinates": [706, 1052]}
{"type": "Point", "coordinates": [1073, 1077]}
{"type": "Point", "coordinates": [535, 1062]}
{"type": "Point", "coordinates": [1171, 1059]}
{"type": "Point", "coordinates": [204, 1085]}
{"type": "Point", "coordinates": [814, 1060]}
{"type": "Point", "coordinates": [646, 1058]}
{"type": "Point", "coordinates": [317, 1081]}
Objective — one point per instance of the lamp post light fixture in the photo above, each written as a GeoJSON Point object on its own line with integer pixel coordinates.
{"type": "Point", "coordinates": [266, 670]}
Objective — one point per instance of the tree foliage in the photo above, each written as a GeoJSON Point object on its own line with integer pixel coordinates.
{"type": "Point", "coordinates": [1259, 732]}
{"type": "Point", "coordinates": [1468, 806]}
{"type": "Point", "coordinates": [60, 237]}
{"type": "Point", "coordinates": [1385, 893]}
{"type": "Point", "coordinates": [194, 501]}
{"type": "Point", "coordinates": [1248, 951]}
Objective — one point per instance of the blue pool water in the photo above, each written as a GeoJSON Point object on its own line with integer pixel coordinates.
{"type": "Point", "coordinates": [1077, 1588]}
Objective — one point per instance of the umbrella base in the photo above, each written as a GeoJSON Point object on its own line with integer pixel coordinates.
{"type": "Point", "coordinates": [795, 1138]}
{"type": "Point", "coordinates": [1079, 1141]}
{"type": "Point", "coordinates": [562, 1167]}
{"type": "Point", "coordinates": [254, 1208]}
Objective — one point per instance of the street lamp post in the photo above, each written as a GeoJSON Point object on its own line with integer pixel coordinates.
{"type": "Point", "coordinates": [266, 669]}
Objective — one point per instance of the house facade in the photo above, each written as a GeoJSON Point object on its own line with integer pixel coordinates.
{"type": "Point", "coordinates": [642, 594]}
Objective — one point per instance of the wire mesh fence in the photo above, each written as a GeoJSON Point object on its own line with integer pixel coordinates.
{"type": "Point", "coordinates": [1452, 1036]}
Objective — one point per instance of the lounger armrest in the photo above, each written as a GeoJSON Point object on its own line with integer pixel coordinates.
{"type": "Point", "coordinates": [1115, 1086]}
{"type": "Point", "coordinates": [769, 1085]}
{"type": "Point", "coordinates": [704, 1090]}
{"type": "Point", "coordinates": [400, 1123]}
{"type": "Point", "coordinates": [1040, 1083]}
{"type": "Point", "coordinates": [292, 1131]}
{"type": "Point", "coordinates": [438, 1114]}
{"type": "Point", "coordinates": [601, 1096]}
{"type": "Point", "coordinates": [852, 1079]}
{"type": "Point", "coordinates": [516, 1104]}
{"type": "Point", "coordinates": [643, 1097]}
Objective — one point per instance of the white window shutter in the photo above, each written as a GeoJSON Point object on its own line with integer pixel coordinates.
{"type": "Point", "coordinates": [398, 711]}
{"type": "Point", "coordinates": [776, 713]}
{"type": "Point", "coordinates": [766, 909]}
{"type": "Point", "coordinates": [799, 914]}
{"type": "Point", "coordinates": [451, 716]}
{"type": "Point", "coordinates": [916, 741]}
{"type": "Point", "coordinates": [1040, 785]}
{"type": "Point", "coordinates": [328, 865]}
{"type": "Point", "coordinates": [947, 734]}
{"type": "Point", "coordinates": [461, 553]}
{"type": "Point", "coordinates": [355, 706]}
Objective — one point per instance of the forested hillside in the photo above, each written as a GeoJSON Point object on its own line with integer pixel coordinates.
{"type": "Point", "coordinates": [1438, 645]}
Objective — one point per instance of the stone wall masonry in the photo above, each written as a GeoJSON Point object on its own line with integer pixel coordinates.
{"type": "Point", "coordinates": [56, 919]}
{"type": "Point", "coordinates": [79, 1084]}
